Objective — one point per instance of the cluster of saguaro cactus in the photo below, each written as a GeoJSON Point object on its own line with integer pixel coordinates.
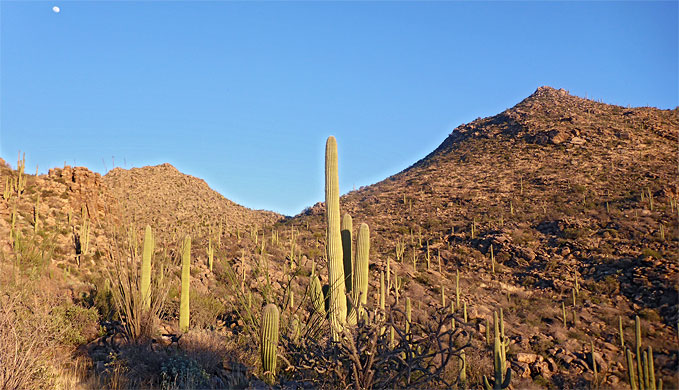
{"type": "Point", "coordinates": [501, 378]}
{"type": "Point", "coordinates": [186, 277]}
{"type": "Point", "coordinates": [269, 341]}
{"type": "Point", "coordinates": [641, 377]}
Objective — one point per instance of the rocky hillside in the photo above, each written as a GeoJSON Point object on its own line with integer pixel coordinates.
{"type": "Point", "coordinates": [164, 197]}
{"type": "Point", "coordinates": [563, 189]}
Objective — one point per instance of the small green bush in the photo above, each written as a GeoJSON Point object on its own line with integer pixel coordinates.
{"type": "Point", "coordinates": [77, 323]}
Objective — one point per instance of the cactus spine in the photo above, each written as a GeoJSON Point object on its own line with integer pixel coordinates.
{"type": "Point", "coordinates": [269, 342]}
{"type": "Point", "coordinates": [186, 275]}
{"type": "Point", "coordinates": [146, 268]}
{"type": "Point", "coordinates": [338, 302]}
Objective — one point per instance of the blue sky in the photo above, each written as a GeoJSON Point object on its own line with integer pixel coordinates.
{"type": "Point", "coordinates": [244, 94]}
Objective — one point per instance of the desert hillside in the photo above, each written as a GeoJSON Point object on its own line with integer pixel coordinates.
{"type": "Point", "coordinates": [562, 188]}
{"type": "Point", "coordinates": [559, 214]}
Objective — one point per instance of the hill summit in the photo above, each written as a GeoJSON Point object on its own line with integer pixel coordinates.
{"type": "Point", "coordinates": [162, 196]}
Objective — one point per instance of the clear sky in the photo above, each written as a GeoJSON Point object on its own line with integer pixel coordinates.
{"type": "Point", "coordinates": [244, 94]}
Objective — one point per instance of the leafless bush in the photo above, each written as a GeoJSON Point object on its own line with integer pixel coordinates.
{"type": "Point", "coordinates": [27, 340]}
{"type": "Point", "coordinates": [367, 358]}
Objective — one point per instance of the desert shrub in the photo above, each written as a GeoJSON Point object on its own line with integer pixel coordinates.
{"type": "Point", "coordinates": [205, 309]}
{"type": "Point", "coordinates": [424, 357]}
{"type": "Point", "coordinates": [182, 372]}
{"type": "Point", "coordinates": [28, 339]}
{"type": "Point", "coordinates": [77, 323]}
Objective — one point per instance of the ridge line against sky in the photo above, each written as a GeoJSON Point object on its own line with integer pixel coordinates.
{"type": "Point", "coordinates": [243, 95]}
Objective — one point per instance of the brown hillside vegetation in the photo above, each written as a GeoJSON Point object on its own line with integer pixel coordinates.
{"type": "Point", "coordinates": [556, 201]}
{"type": "Point", "coordinates": [166, 198]}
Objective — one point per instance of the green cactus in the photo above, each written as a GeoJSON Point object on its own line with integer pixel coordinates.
{"type": "Point", "coordinates": [463, 370]}
{"type": "Point", "coordinates": [186, 275]}
{"type": "Point", "coordinates": [492, 259]}
{"type": "Point", "coordinates": [36, 216]}
{"type": "Point", "coordinates": [498, 382]}
{"type": "Point", "coordinates": [457, 288]}
{"type": "Point", "coordinates": [622, 336]}
{"type": "Point", "coordinates": [360, 295]}
{"type": "Point", "coordinates": [85, 237]}
{"type": "Point", "coordinates": [316, 294]}
{"type": "Point", "coordinates": [651, 369]}
{"type": "Point", "coordinates": [338, 302]}
{"type": "Point", "coordinates": [145, 287]}
{"type": "Point", "coordinates": [630, 369]}
{"type": "Point", "coordinates": [347, 250]}
{"type": "Point", "coordinates": [594, 369]}
{"type": "Point", "coordinates": [443, 295]}
{"type": "Point", "coordinates": [269, 341]}
{"type": "Point", "coordinates": [383, 295]}
{"type": "Point", "coordinates": [211, 253]}
{"type": "Point", "coordinates": [408, 315]}
{"type": "Point", "coordinates": [637, 338]}
{"type": "Point", "coordinates": [563, 312]}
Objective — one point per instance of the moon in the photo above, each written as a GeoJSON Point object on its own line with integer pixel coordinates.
{"type": "Point", "coordinates": [56, 9]}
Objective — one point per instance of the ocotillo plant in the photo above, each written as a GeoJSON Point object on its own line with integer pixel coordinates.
{"type": "Point", "coordinates": [186, 275]}
{"type": "Point", "coordinates": [145, 284]}
{"type": "Point", "coordinates": [269, 342]}
{"type": "Point", "coordinates": [338, 302]}
{"type": "Point", "coordinates": [347, 250]}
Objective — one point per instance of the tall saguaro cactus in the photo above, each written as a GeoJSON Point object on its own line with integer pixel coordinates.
{"type": "Point", "coordinates": [338, 302]}
{"type": "Point", "coordinates": [269, 340]}
{"type": "Point", "coordinates": [186, 275]}
{"type": "Point", "coordinates": [361, 269]}
{"type": "Point", "coordinates": [145, 287]}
